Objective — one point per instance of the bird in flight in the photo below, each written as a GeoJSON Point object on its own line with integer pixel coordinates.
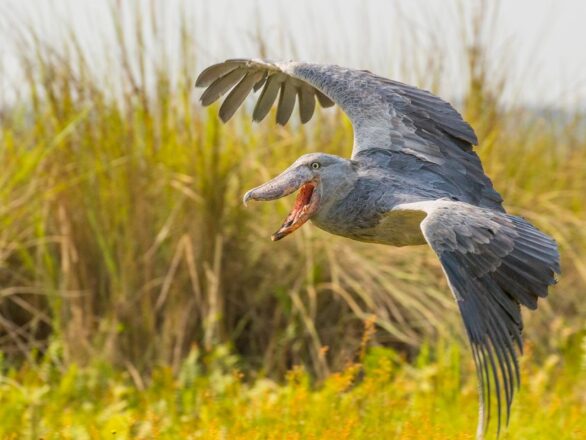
{"type": "Point", "coordinates": [413, 178]}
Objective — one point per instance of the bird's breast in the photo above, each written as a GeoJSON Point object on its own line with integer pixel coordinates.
{"type": "Point", "coordinates": [395, 228]}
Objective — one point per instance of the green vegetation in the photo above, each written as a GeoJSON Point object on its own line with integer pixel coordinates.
{"type": "Point", "coordinates": [138, 297]}
{"type": "Point", "coordinates": [381, 397]}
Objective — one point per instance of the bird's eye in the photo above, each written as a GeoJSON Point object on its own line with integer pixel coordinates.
{"type": "Point", "coordinates": [315, 165]}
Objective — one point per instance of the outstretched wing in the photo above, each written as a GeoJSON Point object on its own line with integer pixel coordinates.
{"type": "Point", "coordinates": [242, 75]}
{"type": "Point", "coordinates": [384, 113]}
{"type": "Point", "coordinates": [494, 262]}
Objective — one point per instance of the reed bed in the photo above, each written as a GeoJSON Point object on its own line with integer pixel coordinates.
{"type": "Point", "coordinates": [125, 251]}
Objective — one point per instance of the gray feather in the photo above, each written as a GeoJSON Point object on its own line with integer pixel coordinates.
{"type": "Point", "coordinates": [209, 75]}
{"type": "Point", "coordinates": [324, 101]}
{"type": "Point", "coordinates": [306, 103]}
{"type": "Point", "coordinates": [286, 103]}
{"type": "Point", "coordinates": [267, 97]}
{"type": "Point", "coordinates": [483, 255]}
{"type": "Point", "coordinates": [260, 82]}
{"type": "Point", "coordinates": [238, 95]}
{"type": "Point", "coordinates": [221, 86]}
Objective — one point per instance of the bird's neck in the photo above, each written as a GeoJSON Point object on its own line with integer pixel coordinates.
{"type": "Point", "coordinates": [334, 190]}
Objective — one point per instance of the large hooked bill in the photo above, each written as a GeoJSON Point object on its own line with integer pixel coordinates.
{"type": "Point", "coordinates": [289, 181]}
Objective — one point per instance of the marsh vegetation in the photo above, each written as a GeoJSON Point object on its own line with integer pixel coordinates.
{"type": "Point", "coordinates": [138, 296]}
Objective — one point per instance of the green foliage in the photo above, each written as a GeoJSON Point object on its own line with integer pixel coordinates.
{"type": "Point", "coordinates": [384, 397]}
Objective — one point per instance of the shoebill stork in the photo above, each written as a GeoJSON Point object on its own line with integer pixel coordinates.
{"type": "Point", "coordinates": [413, 178]}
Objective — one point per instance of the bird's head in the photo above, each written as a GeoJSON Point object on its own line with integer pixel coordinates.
{"type": "Point", "coordinates": [320, 178]}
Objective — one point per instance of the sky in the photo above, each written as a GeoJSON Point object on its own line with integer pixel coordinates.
{"type": "Point", "coordinates": [540, 43]}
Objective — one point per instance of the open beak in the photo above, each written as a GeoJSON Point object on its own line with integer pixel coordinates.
{"type": "Point", "coordinates": [291, 180]}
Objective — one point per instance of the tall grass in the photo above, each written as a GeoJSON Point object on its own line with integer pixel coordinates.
{"type": "Point", "coordinates": [123, 239]}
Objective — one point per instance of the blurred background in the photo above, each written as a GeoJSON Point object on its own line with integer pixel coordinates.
{"type": "Point", "coordinates": [123, 240]}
